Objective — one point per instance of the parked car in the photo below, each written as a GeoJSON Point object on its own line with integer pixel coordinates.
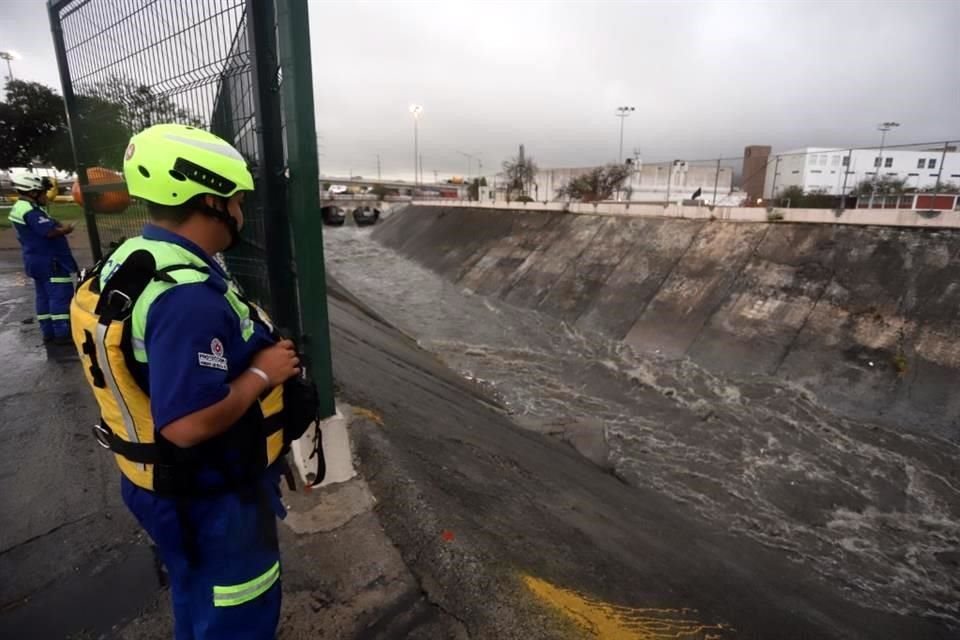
{"type": "Point", "coordinates": [333, 215]}
{"type": "Point", "coordinates": [337, 189]}
{"type": "Point", "coordinates": [364, 216]}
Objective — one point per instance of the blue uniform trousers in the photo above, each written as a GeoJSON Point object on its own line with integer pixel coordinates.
{"type": "Point", "coordinates": [53, 295]}
{"type": "Point", "coordinates": [222, 558]}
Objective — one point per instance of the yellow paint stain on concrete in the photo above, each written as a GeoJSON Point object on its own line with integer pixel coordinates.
{"type": "Point", "coordinates": [369, 414]}
{"type": "Point", "coordinates": [603, 620]}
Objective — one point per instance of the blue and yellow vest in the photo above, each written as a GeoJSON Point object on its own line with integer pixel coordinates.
{"type": "Point", "coordinates": [108, 318]}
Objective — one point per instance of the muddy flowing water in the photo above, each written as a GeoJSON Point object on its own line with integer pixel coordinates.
{"type": "Point", "coordinates": [870, 508]}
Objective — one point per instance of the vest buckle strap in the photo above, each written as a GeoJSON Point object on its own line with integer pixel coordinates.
{"type": "Point", "coordinates": [102, 436]}
{"type": "Point", "coordinates": [118, 302]}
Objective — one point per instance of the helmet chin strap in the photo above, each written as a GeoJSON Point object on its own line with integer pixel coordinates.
{"type": "Point", "coordinates": [227, 219]}
{"type": "Point", "coordinates": [32, 196]}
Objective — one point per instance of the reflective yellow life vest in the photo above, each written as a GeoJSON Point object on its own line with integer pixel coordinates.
{"type": "Point", "coordinates": [108, 320]}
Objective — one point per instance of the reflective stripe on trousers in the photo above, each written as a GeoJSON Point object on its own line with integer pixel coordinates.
{"type": "Point", "coordinates": [230, 596]}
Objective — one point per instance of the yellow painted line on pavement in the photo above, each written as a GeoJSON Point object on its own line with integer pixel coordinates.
{"type": "Point", "coordinates": [604, 620]}
{"type": "Point", "coordinates": [369, 414]}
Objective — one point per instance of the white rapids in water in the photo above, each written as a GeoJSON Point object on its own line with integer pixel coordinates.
{"type": "Point", "coordinates": [875, 510]}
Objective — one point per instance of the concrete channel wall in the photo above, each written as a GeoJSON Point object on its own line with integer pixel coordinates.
{"type": "Point", "coordinates": [865, 316]}
{"type": "Point", "coordinates": [934, 219]}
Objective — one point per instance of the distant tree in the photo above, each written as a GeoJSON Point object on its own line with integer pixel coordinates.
{"type": "Point", "coordinates": [32, 124]}
{"type": "Point", "coordinates": [380, 191]}
{"type": "Point", "coordinates": [112, 110]}
{"type": "Point", "coordinates": [886, 185]}
{"type": "Point", "coordinates": [596, 185]}
{"type": "Point", "coordinates": [100, 132]}
{"type": "Point", "coordinates": [520, 172]}
{"type": "Point", "coordinates": [945, 187]}
{"type": "Point", "coordinates": [473, 191]}
{"type": "Point", "coordinates": [141, 105]}
{"type": "Point", "coordinates": [793, 193]}
{"type": "Point", "coordinates": [795, 197]}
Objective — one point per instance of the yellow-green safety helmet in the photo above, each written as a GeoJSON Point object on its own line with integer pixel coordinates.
{"type": "Point", "coordinates": [168, 164]}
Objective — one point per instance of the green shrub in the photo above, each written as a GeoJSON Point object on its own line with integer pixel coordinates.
{"type": "Point", "coordinates": [900, 363]}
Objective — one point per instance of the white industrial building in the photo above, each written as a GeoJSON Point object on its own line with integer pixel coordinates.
{"type": "Point", "coordinates": [838, 171]}
{"type": "Point", "coordinates": [672, 182]}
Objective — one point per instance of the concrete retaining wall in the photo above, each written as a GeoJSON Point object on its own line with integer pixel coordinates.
{"type": "Point", "coordinates": [871, 217]}
{"type": "Point", "coordinates": [865, 316]}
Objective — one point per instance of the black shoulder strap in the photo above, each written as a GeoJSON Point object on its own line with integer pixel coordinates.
{"type": "Point", "coordinates": [164, 274]}
{"type": "Point", "coordinates": [127, 283]}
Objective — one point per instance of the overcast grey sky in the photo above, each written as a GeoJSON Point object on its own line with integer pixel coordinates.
{"type": "Point", "coordinates": [706, 78]}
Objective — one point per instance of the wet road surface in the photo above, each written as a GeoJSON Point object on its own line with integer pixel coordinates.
{"type": "Point", "coordinates": [73, 561]}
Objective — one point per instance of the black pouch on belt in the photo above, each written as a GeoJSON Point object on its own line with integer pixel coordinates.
{"type": "Point", "coordinates": [301, 405]}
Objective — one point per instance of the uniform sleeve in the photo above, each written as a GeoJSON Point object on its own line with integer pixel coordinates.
{"type": "Point", "coordinates": [39, 222]}
{"type": "Point", "coordinates": [187, 341]}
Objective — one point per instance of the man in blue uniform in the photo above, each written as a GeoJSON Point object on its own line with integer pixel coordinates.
{"type": "Point", "coordinates": [207, 359]}
{"type": "Point", "coordinates": [46, 256]}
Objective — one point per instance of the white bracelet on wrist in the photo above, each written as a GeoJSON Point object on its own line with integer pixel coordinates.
{"type": "Point", "coordinates": [260, 373]}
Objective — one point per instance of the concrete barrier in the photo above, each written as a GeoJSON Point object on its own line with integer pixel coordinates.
{"type": "Point", "coordinates": [864, 315]}
{"type": "Point", "coordinates": [870, 217]}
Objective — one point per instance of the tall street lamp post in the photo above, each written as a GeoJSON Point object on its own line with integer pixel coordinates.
{"type": "Point", "coordinates": [416, 110]}
{"type": "Point", "coordinates": [623, 113]}
{"type": "Point", "coordinates": [8, 56]}
{"type": "Point", "coordinates": [883, 127]}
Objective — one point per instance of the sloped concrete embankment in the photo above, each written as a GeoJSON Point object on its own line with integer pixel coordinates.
{"type": "Point", "coordinates": [864, 316]}
{"type": "Point", "coordinates": [512, 534]}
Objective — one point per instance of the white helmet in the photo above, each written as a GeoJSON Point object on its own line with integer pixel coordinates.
{"type": "Point", "coordinates": [26, 182]}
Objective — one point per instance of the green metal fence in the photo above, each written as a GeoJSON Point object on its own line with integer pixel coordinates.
{"type": "Point", "coordinates": [216, 64]}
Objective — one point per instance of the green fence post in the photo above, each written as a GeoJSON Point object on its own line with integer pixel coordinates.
{"type": "Point", "coordinates": [69, 103]}
{"type": "Point", "coordinates": [272, 190]}
{"type": "Point", "coordinates": [303, 191]}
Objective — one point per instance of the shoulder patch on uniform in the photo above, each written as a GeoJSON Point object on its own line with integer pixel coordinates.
{"type": "Point", "coordinates": [215, 359]}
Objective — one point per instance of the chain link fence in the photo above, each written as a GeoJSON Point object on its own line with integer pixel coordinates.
{"type": "Point", "coordinates": [240, 68]}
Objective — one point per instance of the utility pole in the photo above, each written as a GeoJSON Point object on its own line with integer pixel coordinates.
{"type": "Point", "coordinates": [883, 127]}
{"type": "Point", "coordinates": [470, 157]}
{"type": "Point", "coordinates": [378, 167]}
{"type": "Point", "coordinates": [846, 172]}
{"type": "Point", "coordinates": [436, 180]}
{"type": "Point", "coordinates": [523, 171]}
{"type": "Point", "coordinates": [943, 158]}
{"type": "Point", "coordinates": [716, 181]}
{"type": "Point", "coordinates": [773, 188]}
{"type": "Point", "coordinates": [623, 113]}
{"type": "Point", "coordinates": [466, 176]}
{"type": "Point", "coordinates": [670, 180]}
{"type": "Point", "coordinates": [421, 167]}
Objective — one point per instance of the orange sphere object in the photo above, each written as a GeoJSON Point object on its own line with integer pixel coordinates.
{"type": "Point", "coordinates": [107, 201]}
